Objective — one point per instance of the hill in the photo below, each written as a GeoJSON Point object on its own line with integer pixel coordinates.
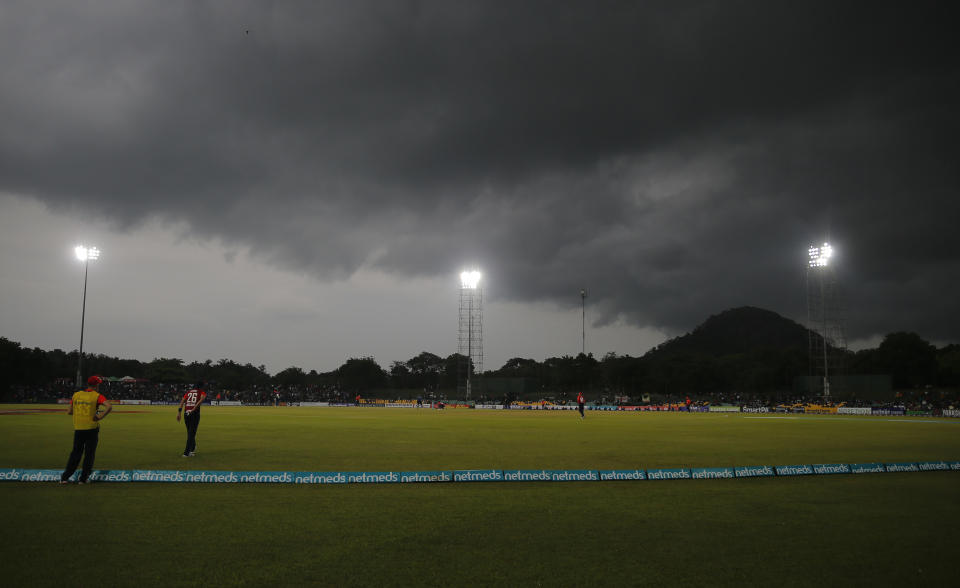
{"type": "Point", "coordinates": [744, 330]}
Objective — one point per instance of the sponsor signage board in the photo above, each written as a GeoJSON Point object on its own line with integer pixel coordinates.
{"type": "Point", "coordinates": [724, 408]}
{"type": "Point", "coordinates": [854, 410]}
{"type": "Point", "coordinates": [543, 475]}
{"type": "Point", "coordinates": [887, 411]}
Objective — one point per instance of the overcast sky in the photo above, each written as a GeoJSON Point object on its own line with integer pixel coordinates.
{"type": "Point", "coordinates": [297, 183]}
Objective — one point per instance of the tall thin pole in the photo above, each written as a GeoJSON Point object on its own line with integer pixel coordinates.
{"type": "Point", "coordinates": [583, 322]}
{"type": "Point", "coordinates": [83, 318]}
{"type": "Point", "coordinates": [823, 310]}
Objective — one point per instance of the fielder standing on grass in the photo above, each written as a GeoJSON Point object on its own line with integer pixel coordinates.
{"type": "Point", "coordinates": [190, 407]}
{"type": "Point", "coordinates": [580, 403]}
{"type": "Point", "coordinates": [85, 408]}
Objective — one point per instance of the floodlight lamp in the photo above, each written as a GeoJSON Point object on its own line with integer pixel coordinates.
{"type": "Point", "coordinates": [820, 256]}
{"type": "Point", "coordinates": [469, 279]}
{"type": "Point", "coordinates": [85, 254]}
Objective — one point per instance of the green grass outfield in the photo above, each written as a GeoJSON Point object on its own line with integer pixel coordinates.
{"type": "Point", "coordinates": [873, 529]}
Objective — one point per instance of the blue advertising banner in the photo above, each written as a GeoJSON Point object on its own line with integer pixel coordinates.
{"type": "Point", "coordinates": [230, 477]}
{"type": "Point", "coordinates": [622, 475]}
{"type": "Point", "coordinates": [550, 475]}
{"type": "Point", "coordinates": [668, 474]}
{"type": "Point", "coordinates": [867, 468]}
{"type": "Point", "coordinates": [708, 473]}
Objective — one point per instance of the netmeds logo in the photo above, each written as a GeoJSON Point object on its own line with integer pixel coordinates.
{"type": "Point", "coordinates": [753, 471]}
{"type": "Point", "coordinates": [930, 466]}
{"type": "Point", "coordinates": [213, 477]}
{"type": "Point", "coordinates": [320, 478]}
{"type": "Point", "coordinates": [412, 477]}
{"type": "Point", "coordinates": [902, 467]}
{"type": "Point", "coordinates": [867, 468]}
{"type": "Point", "coordinates": [158, 476]}
{"type": "Point", "coordinates": [266, 477]}
{"type": "Point", "coordinates": [669, 474]}
{"type": "Point", "coordinates": [111, 476]}
{"type": "Point", "coordinates": [623, 475]}
{"type": "Point", "coordinates": [39, 475]}
{"type": "Point", "coordinates": [708, 473]}
{"type": "Point", "coordinates": [478, 476]}
{"type": "Point", "coordinates": [373, 477]}
{"type": "Point", "coordinates": [831, 468]}
{"type": "Point", "coordinates": [794, 470]}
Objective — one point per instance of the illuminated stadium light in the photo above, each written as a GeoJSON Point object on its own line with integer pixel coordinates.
{"type": "Point", "coordinates": [820, 256]}
{"type": "Point", "coordinates": [470, 279]}
{"type": "Point", "coordinates": [86, 253]}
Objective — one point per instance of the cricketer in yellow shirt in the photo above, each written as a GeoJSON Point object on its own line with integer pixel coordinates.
{"type": "Point", "coordinates": [85, 408]}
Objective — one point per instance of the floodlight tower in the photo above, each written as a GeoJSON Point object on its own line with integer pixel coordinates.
{"type": "Point", "coordinates": [471, 326]}
{"type": "Point", "coordinates": [824, 315]}
{"type": "Point", "coordinates": [86, 255]}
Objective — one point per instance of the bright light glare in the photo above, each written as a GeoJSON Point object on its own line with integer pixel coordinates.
{"type": "Point", "coordinates": [820, 256]}
{"type": "Point", "coordinates": [470, 279]}
{"type": "Point", "coordinates": [84, 253]}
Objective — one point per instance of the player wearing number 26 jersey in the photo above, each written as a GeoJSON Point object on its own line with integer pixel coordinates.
{"type": "Point", "coordinates": [190, 407]}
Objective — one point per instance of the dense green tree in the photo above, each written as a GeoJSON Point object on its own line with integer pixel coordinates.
{"type": "Point", "coordinates": [361, 374]}
{"type": "Point", "coordinates": [292, 376]}
{"type": "Point", "coordinates": [909, 360]}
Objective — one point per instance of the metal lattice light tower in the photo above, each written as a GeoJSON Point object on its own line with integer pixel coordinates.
{"type": "Point", "coordinates": [86, 255]}
{"type": "Point", "coordinates": [824, 316]}
{"type": "Point", "coordinates": [471, 326]}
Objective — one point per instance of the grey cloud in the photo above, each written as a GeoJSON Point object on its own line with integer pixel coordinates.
{"type": "Point", "coordinates": [673, 158]}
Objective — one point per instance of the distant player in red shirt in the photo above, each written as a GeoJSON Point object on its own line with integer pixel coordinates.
{"type": "Point", "coordinates": [190, 407]}
{"type": "Point", "coordinates": [580, 403]}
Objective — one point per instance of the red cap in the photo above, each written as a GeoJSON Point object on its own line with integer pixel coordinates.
{"type": "Point", "coordinates": [94, 380]}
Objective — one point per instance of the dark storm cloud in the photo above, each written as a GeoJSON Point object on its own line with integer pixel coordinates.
{"type": "Point", "coordinates": [673, 158]}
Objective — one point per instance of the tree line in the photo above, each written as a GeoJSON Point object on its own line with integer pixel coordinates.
{"type": "Point", "coordinates": [910, 361]}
